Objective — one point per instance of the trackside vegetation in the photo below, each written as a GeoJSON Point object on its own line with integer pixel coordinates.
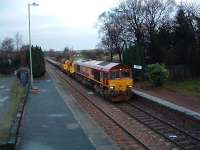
{"type": "Point", "coordinates": [37, 61]}
{"type": "Point", "coordinates": [157, 74]}
{"type": "Point", "coordinates": [168, 32]}
{"type": "Point", "coordinates": [190, 87]}
{"type": "Point", "coordinates": [17, 94]}
{"type": "Point", "coordinates": [134, 55]}
{"type": "Point", "coordinates": [1, 77]}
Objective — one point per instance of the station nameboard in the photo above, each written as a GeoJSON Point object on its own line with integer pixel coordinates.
{"type": "Point", "coordinates": [137, 67]}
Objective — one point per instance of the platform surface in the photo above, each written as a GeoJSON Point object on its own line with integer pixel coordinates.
{"type": "Point", "coordinates": [168, 104]}
{"type": "Point", "coordinates": [49, 124]}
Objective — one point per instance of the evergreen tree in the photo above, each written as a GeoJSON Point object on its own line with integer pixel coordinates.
{"type": "Point", "coordinates": [164, 38]}
{"type": "Point", "coordinates": [197, 53]}
{"type": "Point", "coordinates": [184, 39]}
{"type": "Point", "coordinates": [134, 55]}
{"type": "Point", "coordinates": [38, 64]}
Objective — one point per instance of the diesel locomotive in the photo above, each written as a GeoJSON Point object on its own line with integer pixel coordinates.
{"type": "Point", "coordinates": [111, 80]}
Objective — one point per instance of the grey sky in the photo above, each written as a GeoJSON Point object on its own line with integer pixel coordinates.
{"type": "Point", "coordinates": [55, 23]}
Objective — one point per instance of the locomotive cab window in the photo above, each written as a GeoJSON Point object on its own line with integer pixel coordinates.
{"type": "Point", "coordinates": [114, 75]}
{"type": "Point", "coordinates": [125, 73]}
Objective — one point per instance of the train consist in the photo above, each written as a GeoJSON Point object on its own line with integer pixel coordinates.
{"type": "Point", "coordinates": [111, 80]}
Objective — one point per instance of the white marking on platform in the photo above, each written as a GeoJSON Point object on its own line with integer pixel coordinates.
{"type": "Point", "coordinates": [43, 90]}
{"type": "Point", "coordinates": [45, 126]}
{"type": "Point", "coordinates": [72, 126]}
{"type": "Point", "coordinates": [7, 89]}
{"type": "Point", "coordinates": [48, 80]}
{"type": "Point", "coordinates": [37, 145]}
{"type": "Point", "coordinates": [3, 99]}
{"type": "Point", "coordinates": [56, 115]}
{"type": "Point", "coordinates": [2, 87]}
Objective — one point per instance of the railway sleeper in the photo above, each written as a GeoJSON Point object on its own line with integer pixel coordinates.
{"type": "Point", "coordinates": [189, 146]}
{"type": "Point", "coordinates": [195, 135]}
{"type": "Point", "coordinates": [155, 125]}
{"type": "Point", "coordinates": [163, 130]}
{"type": "Point", "coordinates": [150, 122]}
{"type": "Point", "coordinates": [159, 128]}
{"type": "Point", "coordinates": [137, 112]}
{"type": "Point", "coordinates": [149, 119]}
{"type": "Point", "coordinates": [141, 116]}
{"type": "Point", "coordinates": [197, 146]}
{"type": "Point", "coordinates": [185, 142]}
{"type": "Point", "coordinates": [167, 132]}
{"type": "Point", "coordinates": [181, 138]}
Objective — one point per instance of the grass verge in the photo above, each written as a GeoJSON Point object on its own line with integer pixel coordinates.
{"type": "Point", "coordinates": [189, 87]}
{"type": "Point", "coordinates": [17, 94]}
{"type": "Point", "coordinates": [1, 77]}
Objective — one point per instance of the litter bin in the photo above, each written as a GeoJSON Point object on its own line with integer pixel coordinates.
{"type": "Point", "coordinates": [24, 77]}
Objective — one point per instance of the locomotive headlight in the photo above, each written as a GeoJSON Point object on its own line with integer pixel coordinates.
{"type": "Point", "coordinates": [111, 87]}
{"type": "Point", "coordinates": [130, 86]}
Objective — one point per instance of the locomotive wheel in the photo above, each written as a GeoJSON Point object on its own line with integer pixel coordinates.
{"type": "Point", "coordinates": [106, 94]}
{"type": "Point", "coordinates": [96, 89]}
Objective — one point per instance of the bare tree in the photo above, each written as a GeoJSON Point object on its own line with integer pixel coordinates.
{"type": "Point", "coordinates": [18, 41]}
{"type": "Point", "coordinates": [7, 45]}
{"type": "Point", "coordinates": [66, 52]}
{"type": "Point", "coordinates": [133, 13]}
{"type": "Point", "coordinates": [112, 32]}
{"type": "Point", "coordinates": [105, 33]}
{"type": "Point", "coordinates": [155, 12]}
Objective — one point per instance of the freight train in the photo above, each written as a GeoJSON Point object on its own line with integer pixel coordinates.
{"type": "Point", "coordinates": [111, 80]}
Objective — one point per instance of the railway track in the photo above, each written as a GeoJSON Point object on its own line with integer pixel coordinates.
{"type": "Point", "coordinates": [192, 131]}
{"type": "Point", "coordinates": [134, 112]}
{"type": "Point", "coordinates": [64, 80]}
{"type": "Point", "coordinates": [169, 131]}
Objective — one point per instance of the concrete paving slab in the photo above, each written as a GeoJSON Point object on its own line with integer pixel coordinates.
{"type": "Point", "coordinates": [50, 124]}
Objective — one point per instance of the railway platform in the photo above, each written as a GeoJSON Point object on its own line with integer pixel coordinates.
{"type": "Point", "coordinates": [52, 121]}
{"type": "Point", "coordinates": [167, 104]}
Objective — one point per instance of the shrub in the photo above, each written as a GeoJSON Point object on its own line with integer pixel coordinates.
{"type": "Point", "coordinates": [9, 64]}
{"type": "Point", "coordinates": [157, 74]}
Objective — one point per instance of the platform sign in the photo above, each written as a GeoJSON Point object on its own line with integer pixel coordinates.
{"type": "Point", "coordinates": [137, 67]}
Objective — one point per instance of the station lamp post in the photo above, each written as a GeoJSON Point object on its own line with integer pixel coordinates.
{"type": "Point", "coordinates": [29, 25]}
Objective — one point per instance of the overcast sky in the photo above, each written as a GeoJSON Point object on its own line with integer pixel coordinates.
{"type": "Point", "coordinates": [54, 23]}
